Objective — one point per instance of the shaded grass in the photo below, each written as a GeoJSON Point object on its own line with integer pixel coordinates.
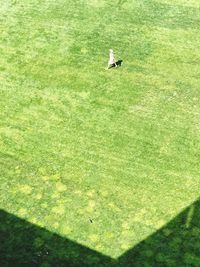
{"type": "Point", "coordinates": [120, 148]}
{"type": "Point", "coordinates": [25, 244]}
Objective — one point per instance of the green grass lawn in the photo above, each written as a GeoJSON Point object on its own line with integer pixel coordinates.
{"type": "Point", "coordinates": [103, 158]}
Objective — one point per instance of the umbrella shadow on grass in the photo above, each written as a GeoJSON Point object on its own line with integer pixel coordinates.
{"type": "Point", "coordinates": [23, 244]}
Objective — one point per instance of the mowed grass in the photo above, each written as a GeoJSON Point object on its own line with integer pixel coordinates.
{"type": "Point", "coordinates": [104, 158]}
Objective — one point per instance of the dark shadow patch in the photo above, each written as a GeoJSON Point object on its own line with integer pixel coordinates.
{"type": "Point", "coordinates": [118, 63]}
{"type": "Point", "coordinates": [23, 244]}
{"type": "Point", "coordinates": [177, 244]}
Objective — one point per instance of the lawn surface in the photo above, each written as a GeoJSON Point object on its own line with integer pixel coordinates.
{"type": "Point", "coordinates": [103, 158]}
